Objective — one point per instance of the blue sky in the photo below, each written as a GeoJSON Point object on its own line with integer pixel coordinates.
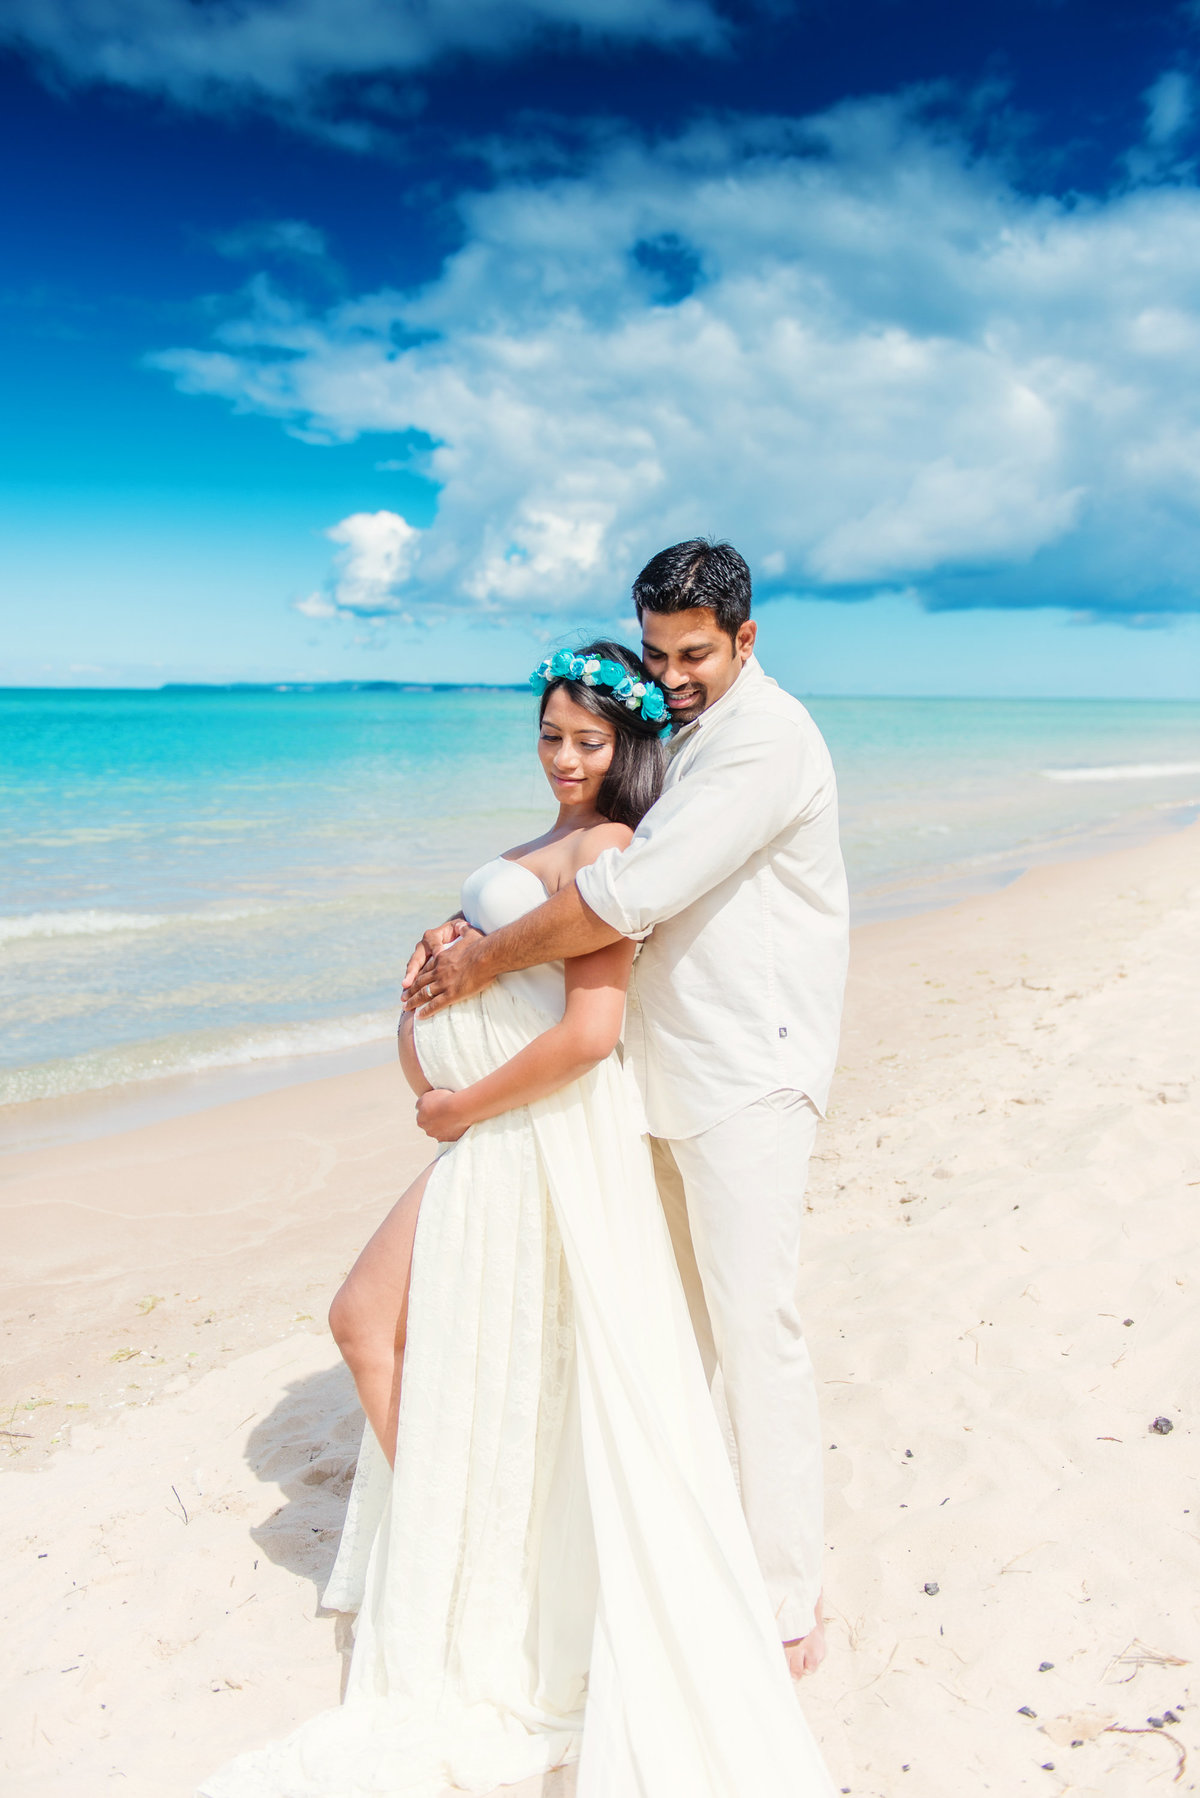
{"type": "Point", "coordinates": [350, 338]}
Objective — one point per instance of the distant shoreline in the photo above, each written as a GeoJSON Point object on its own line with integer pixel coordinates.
{"type": "Point", "coordinates": [291, 686]}
{"type": "Point", "coordinates": [340, 686]}
{"type": "Point", "coordinates": [476, 686]}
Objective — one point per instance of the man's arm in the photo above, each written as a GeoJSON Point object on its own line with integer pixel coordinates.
{"type": "Point", "coordinates": [744, 790]}
{"type": "Point", "coordinates": [746, 785]}
{"type": "Point", "coordinates": [558, 930]}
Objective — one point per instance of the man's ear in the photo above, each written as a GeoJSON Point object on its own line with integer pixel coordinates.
{"type": "Point", "coordinates": [744, 641]}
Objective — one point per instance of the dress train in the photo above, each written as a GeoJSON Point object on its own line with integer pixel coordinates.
{"type": "Point", "coordinates": [563, 1523]}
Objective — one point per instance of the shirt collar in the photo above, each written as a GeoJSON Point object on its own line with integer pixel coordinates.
{"type": "Point", "coordinates": [743, 687]}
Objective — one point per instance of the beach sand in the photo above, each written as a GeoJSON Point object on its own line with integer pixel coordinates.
{"type": "Point", "coordinates": [1003, 1265]}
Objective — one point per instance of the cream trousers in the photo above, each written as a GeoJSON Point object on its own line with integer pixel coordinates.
{"type": "Point", "coordinates": [734, 1201]}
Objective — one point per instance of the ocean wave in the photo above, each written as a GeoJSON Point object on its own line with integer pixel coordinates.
{"type": "Point", "coordinates": [1124, 771]}
{"type": "Point", "coordinates": [206, 1052]}
{"type": "Point", "coordinates": [28, 926]}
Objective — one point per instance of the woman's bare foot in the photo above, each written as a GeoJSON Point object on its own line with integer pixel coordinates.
{"type": "Point", "coordinates": [806, 1653]}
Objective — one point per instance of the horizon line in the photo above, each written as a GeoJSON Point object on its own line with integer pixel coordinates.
{"type": "Point", "coordinates": [436, 686]}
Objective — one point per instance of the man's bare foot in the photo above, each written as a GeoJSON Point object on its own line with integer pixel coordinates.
{"type": "Point", "coordinates": [806, 1653]}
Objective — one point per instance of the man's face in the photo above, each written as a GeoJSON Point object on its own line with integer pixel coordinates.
{"type": "Point", "coordinates": [692, 658]}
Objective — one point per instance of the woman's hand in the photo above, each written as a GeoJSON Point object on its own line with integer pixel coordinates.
{"type": "Point", "coordinates": [440, 1115]}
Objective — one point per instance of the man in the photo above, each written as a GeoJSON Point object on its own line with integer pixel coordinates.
{"type": "Point", "coordinates": [735, 886]}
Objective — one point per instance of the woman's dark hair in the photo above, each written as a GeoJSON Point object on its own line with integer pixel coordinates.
{"type": "Point", "coordinates": [696, 573]}
{"type": "Point", "coordinates": [639, 762]}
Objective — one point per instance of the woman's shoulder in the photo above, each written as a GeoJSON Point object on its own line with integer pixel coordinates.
{"type": "Point", "coordinates": [557, 862]}
{"type": "Point", "coordinates": [599, 837]}
{"type": "Point", "coordinates": [517, 851]}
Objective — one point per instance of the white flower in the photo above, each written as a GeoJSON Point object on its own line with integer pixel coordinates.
{"type": "Point", "coordinates": [639, 689]}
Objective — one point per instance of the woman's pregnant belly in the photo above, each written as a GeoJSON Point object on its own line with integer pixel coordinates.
{"type": "Point", "coordinates": [410, 1064]}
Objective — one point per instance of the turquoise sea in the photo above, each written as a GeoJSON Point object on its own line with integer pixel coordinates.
{"type": "Point", "coordinates": [213, 879]}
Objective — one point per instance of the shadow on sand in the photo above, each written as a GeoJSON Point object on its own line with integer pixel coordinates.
{"type": "Point", "coordinates": [308, 1445]}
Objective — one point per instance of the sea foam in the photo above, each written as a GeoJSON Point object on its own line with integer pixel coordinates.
{"type": "Point", "coordinates": [1124, 771]}
{"type": "Point", "coordinates": [205, 1052]}
{"type": "Point", "coordinates": [24, 927]}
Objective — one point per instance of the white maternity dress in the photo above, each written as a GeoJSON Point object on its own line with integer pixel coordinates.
{"type": "Point", "coordinates": [559, 1566]}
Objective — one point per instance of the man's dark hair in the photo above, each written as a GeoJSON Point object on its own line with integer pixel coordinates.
{"type": "Point", "coordinates": [696, 573]}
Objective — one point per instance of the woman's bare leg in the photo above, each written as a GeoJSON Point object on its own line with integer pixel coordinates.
{"type": "Point", "coordinates": [369, 1315]}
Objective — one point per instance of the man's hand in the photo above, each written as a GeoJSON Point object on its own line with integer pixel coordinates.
{"type": "Point", "coordinates": [438, 1115]}
{"type": "Point", "coordinates": [432, 943]}
{"type": "Point", "coordinates": [453, 974]}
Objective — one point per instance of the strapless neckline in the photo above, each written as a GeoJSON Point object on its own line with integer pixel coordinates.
{"type": "Point", "coordinates": [499, 893]}
{"type": "Point", "coordinates": [520, 866]}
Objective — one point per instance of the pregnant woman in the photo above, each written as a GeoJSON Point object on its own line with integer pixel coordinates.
{"type": "Point", "coordinates": [544, 1542]}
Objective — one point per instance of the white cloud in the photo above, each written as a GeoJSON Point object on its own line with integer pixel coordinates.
{"type": "Point", "coordinates": [287, 239]}
{"type": "Point", "coordinates": [1170, 105]}
{"type": "Point", "coordinates": [895, 368]}
{"type": "Point", "coordinates": [371, 568]}
{"type": "Point", "coordinates": [282, 52]}
{"type": "Point", "coordinates": [316, 605]}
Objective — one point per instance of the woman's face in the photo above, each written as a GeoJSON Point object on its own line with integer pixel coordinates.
{"type": "Point", "coordinates": [576, 749]}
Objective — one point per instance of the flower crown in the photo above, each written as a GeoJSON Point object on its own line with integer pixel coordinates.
{"type": "Point", "coordinates": [599, 671]}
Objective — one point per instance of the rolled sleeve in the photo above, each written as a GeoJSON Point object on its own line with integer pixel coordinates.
{"type": "Point", "coordinates": [740, 792]}
{"type": "Point", "coordinates": [597, 884]}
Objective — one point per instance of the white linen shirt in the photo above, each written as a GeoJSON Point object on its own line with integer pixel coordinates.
{"type": "Point", "coordinates": [734, 883]}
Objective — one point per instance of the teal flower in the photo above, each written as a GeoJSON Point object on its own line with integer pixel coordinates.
{"type": "Point", "coordinates": [600, 671]}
